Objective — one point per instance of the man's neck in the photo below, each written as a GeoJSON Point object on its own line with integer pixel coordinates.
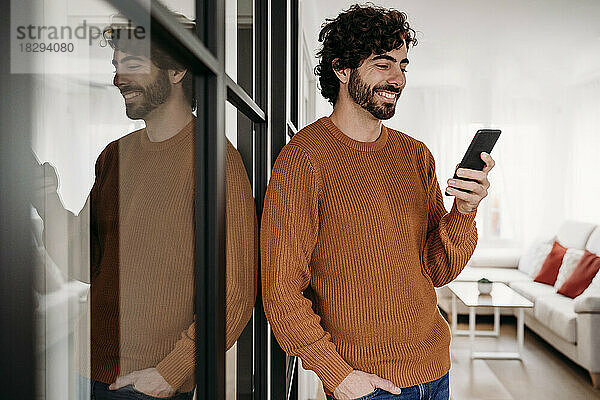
{"type": "Point", "coordinates": [166, 120]}
{"type": "Point", "coordinates": [354, 121]}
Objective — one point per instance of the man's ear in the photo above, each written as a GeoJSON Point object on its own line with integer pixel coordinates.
{"type": "Point", "coordinates": [176, 76]}
{"type": "Point", "coordinates": [343, 74]}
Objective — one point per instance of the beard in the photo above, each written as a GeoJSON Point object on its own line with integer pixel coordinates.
{"type": "Point", "coordinates": [154, 94]}
{"type": "Point", "coordinates": [365, 97]}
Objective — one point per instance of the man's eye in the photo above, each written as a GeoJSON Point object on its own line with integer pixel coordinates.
{"type": "Point", "coordinates": [133, 66]}
{"type": "Point", "coordinates": [382, 66]}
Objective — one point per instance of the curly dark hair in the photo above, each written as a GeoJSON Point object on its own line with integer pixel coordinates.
{"type": "Point", "coordinates": [353, 36]}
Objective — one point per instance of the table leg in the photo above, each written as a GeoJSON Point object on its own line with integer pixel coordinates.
{"type": "Point", "coordinates": [472, 328]}
{"type": "Point", "coordinates": [520, 331]}
{"type": "Point", "coordinates": [498, 355]}
{"type": "Point", "coordinates": [454, 314]}
{"type": "Point", "coordinates": [496, 321]}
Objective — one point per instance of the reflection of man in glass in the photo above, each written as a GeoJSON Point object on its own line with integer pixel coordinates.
{"type": "Point", "coordinates": [355, 220]}
{"type": "Point", "coordinates": [142, 291]}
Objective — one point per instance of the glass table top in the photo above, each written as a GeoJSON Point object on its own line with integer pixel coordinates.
{"type": "Point", "coordinates": [501, 295]}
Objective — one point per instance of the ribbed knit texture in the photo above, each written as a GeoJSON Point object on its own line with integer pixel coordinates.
{"type": "Point", "coordinates": [142, 292]}
{"type": "Point", "coordinates": [361, 229]}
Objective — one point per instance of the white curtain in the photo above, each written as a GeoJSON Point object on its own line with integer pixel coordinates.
{"type": "Point", "coordinates": [547, 157]}
{"type": "Point", "coordinates": [582, 183]}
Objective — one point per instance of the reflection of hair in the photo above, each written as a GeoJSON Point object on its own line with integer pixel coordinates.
{"type": "Point", "coordinates": [120, 37]}
{"type": "Point", "coordinates": [353, 36]}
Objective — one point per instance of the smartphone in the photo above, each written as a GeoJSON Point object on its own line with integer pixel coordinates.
{"type": "Point", "coordinates": [483, 141]}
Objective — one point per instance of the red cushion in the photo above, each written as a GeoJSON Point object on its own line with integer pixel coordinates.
{"type": "Point", "coordinates": [549, 271]}
{"type": "Point", "coordinates": [582, 275]}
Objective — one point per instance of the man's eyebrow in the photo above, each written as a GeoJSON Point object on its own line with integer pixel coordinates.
{"type": "Point", "coordinates": [125, 59]}
{"type": "Point", "coordinates": [389, 58]}
{"type": "Point", "coordinates": [384, 57]}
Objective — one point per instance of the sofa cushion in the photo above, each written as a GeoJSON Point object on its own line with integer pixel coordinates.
{"type": "Point", "coordinates": [582, 277]}
{"type": "Point", "coordinates": [532, 290]}
{"type": "Point", "coordinates": [504, 275]}
{"type": "Point", "coordinates": [557, 313]}
{"type": "Point", "coordinates": [573, 234]}
{"type": "Point", "coordinates": [593, 243]}
{"type": "Point", "coordinates": [531, 261]}
{"type": "Point", "coordinates": [551, 265]}
{"type": "Point", "coordinates": [594, 286]}
{"type": "Point", "coordinates": [569, 263]}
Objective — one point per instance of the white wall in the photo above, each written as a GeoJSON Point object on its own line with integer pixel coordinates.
{"type": "Point", "coordinates": [529, 68]}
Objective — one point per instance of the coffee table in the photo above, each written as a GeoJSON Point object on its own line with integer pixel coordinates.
{"type": "Point", "coordinates": [501, 296]}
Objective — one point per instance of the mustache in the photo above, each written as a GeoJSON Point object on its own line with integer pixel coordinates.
{"type": "Point", "coordinates": [128, 88]}
{"type": "Point", "coordinates": [388, 88]}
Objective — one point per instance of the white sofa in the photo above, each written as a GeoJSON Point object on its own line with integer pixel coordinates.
{"type": "Point", "coordinates": [572, 326]}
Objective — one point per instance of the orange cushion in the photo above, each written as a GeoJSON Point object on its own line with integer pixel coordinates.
{"type": "Point", "coordinates": [582, 276]}
{"type": "Point", "coordinates": [549, 271]}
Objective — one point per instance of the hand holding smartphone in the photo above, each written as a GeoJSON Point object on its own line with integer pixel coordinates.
{"type": "Point", "coordinates": [483, 141]}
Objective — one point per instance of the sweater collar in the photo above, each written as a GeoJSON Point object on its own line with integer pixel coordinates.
{"type": "Point", "coordinates": [355, 144]}
{"type": "Point", "coordinates": [182, 135]}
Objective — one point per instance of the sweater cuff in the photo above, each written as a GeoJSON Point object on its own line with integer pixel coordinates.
{"type": "Point", "coordinates": [328, 364]}
{"type": "Point", "coordinates": [459, 224]}
{"type": "Point", "coordinates": [178, 365]}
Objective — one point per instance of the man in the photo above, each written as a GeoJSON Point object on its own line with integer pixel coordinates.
{"type": "Point", "coordinates": [355, 235]}
{"type": "Point", "coordinates": [142, 291]}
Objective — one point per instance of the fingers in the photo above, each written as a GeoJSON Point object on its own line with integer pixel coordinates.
{"type": "Point", "coordinates": [122, 381]}
{"type": "Point", "coordinates": [473, 187]}
{"type": "Point", "coordinates": [384, 384]}
{"type": "Point", "coordinates": [479, 176]}
{"type": "Point", "coordinates": [472, 174]}
{"type": "Point", "coordinates": [489, 162]}
{"type": "Point", "coordinates": [467, 197]}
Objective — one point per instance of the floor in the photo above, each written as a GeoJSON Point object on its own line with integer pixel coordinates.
{"type": "Point", "coordinates": [544, 374]}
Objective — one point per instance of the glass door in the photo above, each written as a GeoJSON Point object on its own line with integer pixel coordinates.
{"type": "Point", "coordinates": [129, 242]}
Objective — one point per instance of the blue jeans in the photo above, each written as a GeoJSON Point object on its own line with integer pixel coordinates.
{"type": "Point", "coordinates": [434, 390]}
{"type": "Point", "coordinates": [94, 390]}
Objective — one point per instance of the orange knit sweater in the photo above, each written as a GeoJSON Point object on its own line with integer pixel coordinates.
{"type": "Point", "coordinates": [142, 280]}
{"type": "Point", "coordinates": [354, 238]}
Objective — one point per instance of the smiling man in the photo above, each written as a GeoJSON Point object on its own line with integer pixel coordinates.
{"type": "Point", "coordinates": [142, 235]}
{"type": "Point", "coordinates": [355, 235]}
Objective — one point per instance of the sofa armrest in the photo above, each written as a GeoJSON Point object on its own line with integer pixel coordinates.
{"type": "Point", "coordinates": [495, 257]}
{"type": "Point", "coordinates": [588, 340]}
{"type": "Point", "coordinates": [588, 304]}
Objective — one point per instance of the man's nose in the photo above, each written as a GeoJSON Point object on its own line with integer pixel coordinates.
{"type": "Point", "coordinates": [118, 79]}
{"type": "Point", "coordinates": [398, 78]}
